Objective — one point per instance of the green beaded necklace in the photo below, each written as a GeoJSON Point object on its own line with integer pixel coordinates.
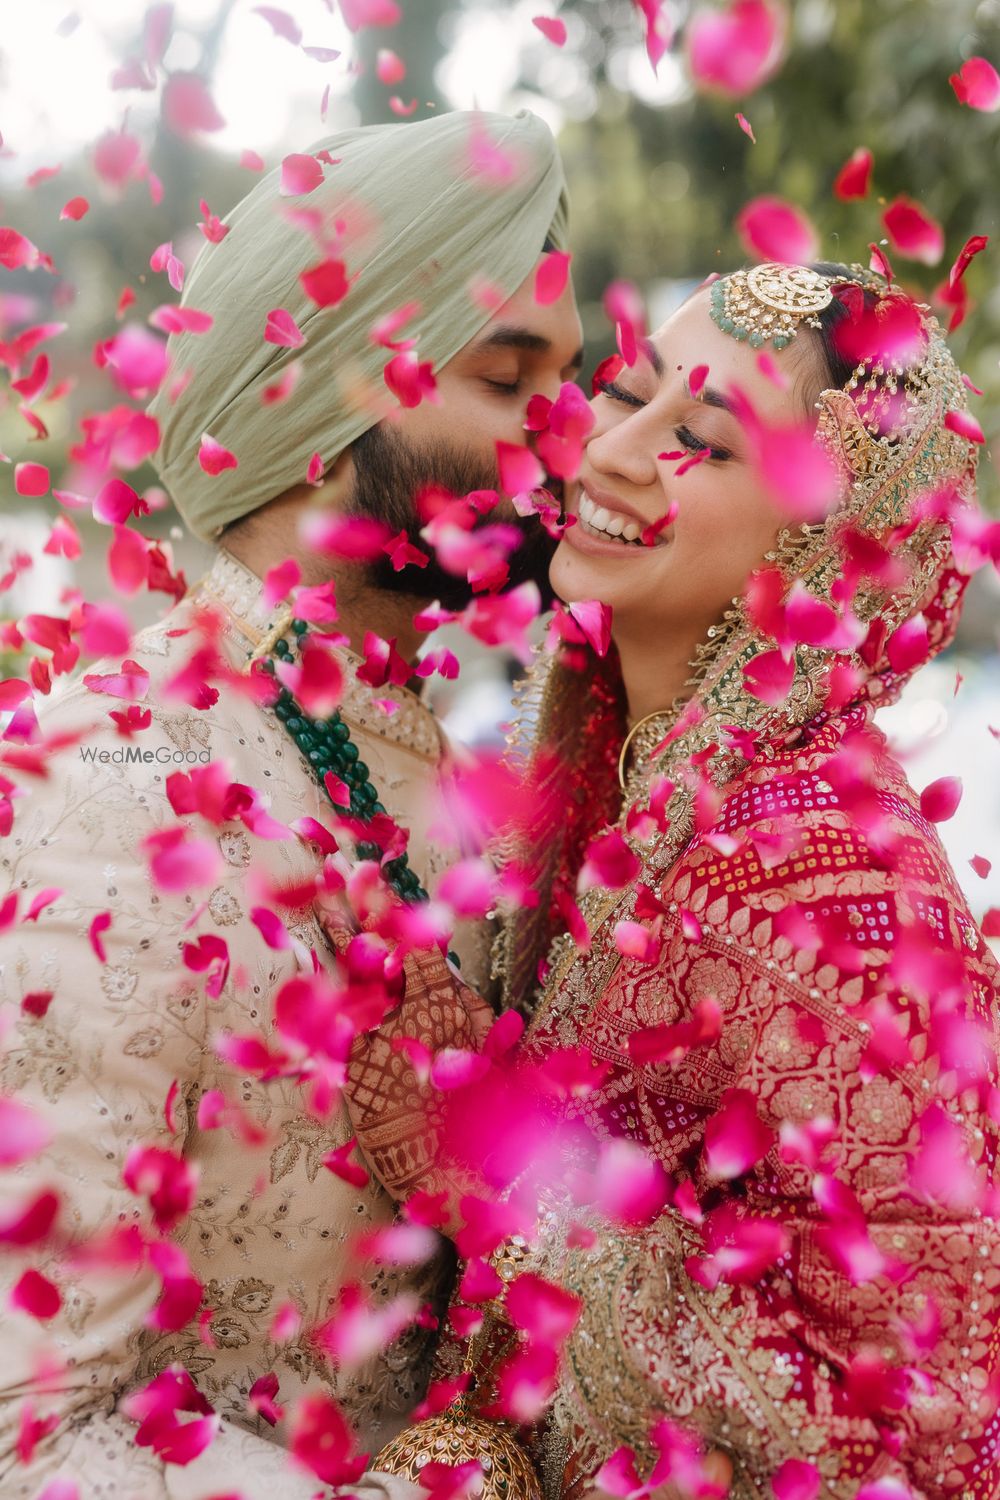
{"type": "Point", "coordinates": [326, 745]}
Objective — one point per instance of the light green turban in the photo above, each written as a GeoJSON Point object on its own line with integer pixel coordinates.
{"type": "Point", "coordinates": [430, 209]}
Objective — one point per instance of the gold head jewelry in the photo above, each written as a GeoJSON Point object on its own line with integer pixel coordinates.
{"type": "Point", "coordinates": [769, 302]}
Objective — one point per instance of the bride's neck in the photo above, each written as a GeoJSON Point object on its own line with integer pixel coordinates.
{"type": "Point", "coordinates": [655, 669]}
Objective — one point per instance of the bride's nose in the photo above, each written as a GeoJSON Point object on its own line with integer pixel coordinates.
{"type": "Point", "coordinates": [626, 448]}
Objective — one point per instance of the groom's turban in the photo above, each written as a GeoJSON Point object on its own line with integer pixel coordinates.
{"type": "Point", "coordinates": [432, 213]}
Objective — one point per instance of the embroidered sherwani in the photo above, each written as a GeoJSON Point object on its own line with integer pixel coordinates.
{"type": "Point", "coordinates": [271, 1225]}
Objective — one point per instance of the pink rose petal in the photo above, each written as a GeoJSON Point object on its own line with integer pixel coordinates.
{"type": "Point", "coordinates": [553, 28]}
{"type": "Point", "coordinates": [410, 379]}
{"type": "Point", "coordinates": [735, 1139]}
{"type": "Point", "coordinates": [358, 14]}
{"type": "Point", "coordinates": [75, 209]}
{"type": "Point", "coordinates": [281, 23]}
{"type": "Point", "coordinates": [31, 479]}
{"type": "Point", "coordinates": [326, 284]}
{"type": "Point", "coordinates": [771, 229]}
{"type": "Point", "coordinates": [520, 471]}
{"type": "Point", "coordinates": [854, 179]}
{"type": "Point", "coordinates": [939, 801]}
{"type": "Point", "coordinates": [299, 175]}
{"type": "Point", "coordinates": [736, 50]}
{"type": "Point", "coordinates": [34, 1294]}
{"type": "Point", "coordinates": [965, 424]}
{"type": "Point", "coordinates": [552, 276]}
{"type": "Point", "coordinates": [23, 1133]}
{"type": "Point", "coordinates": [977, 84]}
{"type": "Point", "coordinates": [282, 329]}
{"type": "Point", "coordinates": [213, 457]}
{"type": "Point", "coordinates": [912, 232]}
{"type": "Point", "coordinates": [389, 69]}
{"type": "Point", "coordinates": [188, 108]}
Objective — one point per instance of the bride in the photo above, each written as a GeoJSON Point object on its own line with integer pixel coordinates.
{"type": "Point", "coordinates": [790, 1007]}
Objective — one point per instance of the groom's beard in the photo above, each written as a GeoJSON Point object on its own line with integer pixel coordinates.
{"type": "Point", "coordinates": [390, 473]}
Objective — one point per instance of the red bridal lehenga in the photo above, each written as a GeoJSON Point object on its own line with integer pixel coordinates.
{"type": "Point", "coordinates": [837, 1305]}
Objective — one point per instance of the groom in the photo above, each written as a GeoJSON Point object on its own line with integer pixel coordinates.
{"type": "Point", "coordinates": [203, 1214]}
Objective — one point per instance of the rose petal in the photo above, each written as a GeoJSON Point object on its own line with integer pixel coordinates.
{"type": "Point", "coordinates": [771, 229]}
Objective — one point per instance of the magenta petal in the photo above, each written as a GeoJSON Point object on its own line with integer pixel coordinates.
{"type": "Point", "coordinates": [734, 51]}
{"type": "Point", "coordinates": [977, 84]}
{"type": "Point", "coordinates": [769, 677]}
{"type": "Point", "coordinates": [939, 801]}
{"type": "Point", "coordinates": [912, 232]}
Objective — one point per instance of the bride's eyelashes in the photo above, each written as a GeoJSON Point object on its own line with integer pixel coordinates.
{"type": "Point", "coordinates": [684, 435]}
{"type": "Point", "coordinates": [617, 392]}
{"type": "Point", "coordinates": [695, 445]}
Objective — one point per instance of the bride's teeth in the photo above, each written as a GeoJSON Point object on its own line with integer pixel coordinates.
{"type": "Point", "coordinates": [600, 518]}
{"type": "Point", "coordinates": [615, 526]}
{"type": "Point", "coordinates": [631, 532]}
{"type": "Point", "coordinates": [586, 508]}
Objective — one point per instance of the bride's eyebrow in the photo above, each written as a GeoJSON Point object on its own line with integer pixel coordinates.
{"type": "Point", "coordinates": [709, 396]}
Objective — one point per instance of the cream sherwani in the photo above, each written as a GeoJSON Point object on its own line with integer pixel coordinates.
{"type": "Point", "coordinates": [270, 1226]}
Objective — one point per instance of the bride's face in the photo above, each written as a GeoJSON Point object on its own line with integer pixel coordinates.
{"type": "Point", "coordinates": [725, 520]}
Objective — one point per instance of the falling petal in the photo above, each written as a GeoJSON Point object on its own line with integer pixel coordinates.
{"type": "Point", "coordinates": [734, 51]}
{"type": "Point", "coordinates": [326, 284]}
{"type": "Point", "coordinates": [745, 126]}
{"type": "Point", "coordinates": [771, 229]}
{"type": "Point", "coordinates": [552, 276]}
{"type": "Point", "coordinates": [551, 27]}
{"type": "Point", "coordinates": [939, 801]}
{"type": "Point", "coordinates": [912, 232]}
{"type": "Point", "coordinates": [854, 179]}
{"type": "Point", "coordinates": [299, 175]}
{"type": "Point", "coordinates": [188, 108]}
{"type": "Point", "coordinates": [213, 457]}
{"type": "Point", "coordinates": [389, 69]}
{"type": "Point", "coordinates": [977, 84]}
{"type": "Point", "coordinates": [282, 329]}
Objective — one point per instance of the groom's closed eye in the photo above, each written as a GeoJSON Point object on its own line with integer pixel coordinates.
{"type": "Point", "coordinates": [509, 354]}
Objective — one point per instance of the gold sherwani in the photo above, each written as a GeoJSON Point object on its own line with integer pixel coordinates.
{"type": "Point", "coordinates": [270, 1226]}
